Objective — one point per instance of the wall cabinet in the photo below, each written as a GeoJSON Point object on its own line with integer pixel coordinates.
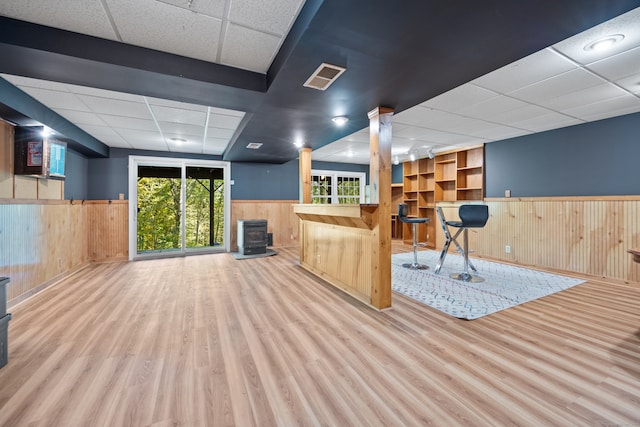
{"type": "Point", "coordinates": [449, 177]}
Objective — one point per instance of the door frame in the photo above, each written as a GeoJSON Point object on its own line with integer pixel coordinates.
{"type": "Point", "coordinates": [182, 163]}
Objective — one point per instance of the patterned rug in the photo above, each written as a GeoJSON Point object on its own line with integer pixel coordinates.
{"type": "Point", "coordinates": [504, 286]}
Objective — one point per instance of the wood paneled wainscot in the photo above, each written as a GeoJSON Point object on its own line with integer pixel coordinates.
{"type": "Point", "coordinates": [338, 243]}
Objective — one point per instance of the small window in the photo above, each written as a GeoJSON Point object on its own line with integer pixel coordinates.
{"type": "Point", "coordinates": [337, 187]}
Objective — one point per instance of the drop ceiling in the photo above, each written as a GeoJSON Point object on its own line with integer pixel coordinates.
{"type": "Point", "coordinates": [212, 77]}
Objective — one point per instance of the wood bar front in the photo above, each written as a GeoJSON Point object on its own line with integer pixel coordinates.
{"type": "Point", "coordinates": [336, 245]}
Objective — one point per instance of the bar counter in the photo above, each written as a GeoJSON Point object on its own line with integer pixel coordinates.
{"type": "Point", "coordinates": [341, 244]}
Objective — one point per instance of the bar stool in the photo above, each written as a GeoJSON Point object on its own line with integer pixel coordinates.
{"type": "Point", "coordinates": [403, 211]}
{"type": "Point", "coordinates": [471, 216]}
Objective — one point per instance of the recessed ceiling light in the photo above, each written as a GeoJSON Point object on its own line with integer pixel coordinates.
{"type": "Point", "coordinates": [178, 140]}
{"type": "Point", "coordinates": [604, 43]}
{"type": "Point", "coordinates": [340, 120]}
{"type": "Point", "coordinates": [254, 145]}
{"type": "Point", "coordinates": [298, 144]}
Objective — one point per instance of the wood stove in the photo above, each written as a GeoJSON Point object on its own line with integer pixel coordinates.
{"type": "Point", "coordinates": [252, 236]}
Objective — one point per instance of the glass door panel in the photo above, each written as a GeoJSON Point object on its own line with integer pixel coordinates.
{"type": "Point", "coordinates": [204, 213]}
{"type": "Point", "coordinates": [159, 210]}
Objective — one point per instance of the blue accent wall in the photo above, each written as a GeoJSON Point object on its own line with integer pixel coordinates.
{"type": "Point", "coordinates": [592, 159]}
{"type": "Point", "coordinates": [396, 174]}
{"type": "Point", "coordinates": [76, 183]}
{"type": "Point", "coordinates": [107, 178]}
{"type": "Point", "coordinates": [266, 181]}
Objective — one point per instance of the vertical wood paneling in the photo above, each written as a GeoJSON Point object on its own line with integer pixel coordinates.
{"type": "Point", "coordinates": [107, 228]}
{"type": "Point", "coordinates": [575, 235]}
{"type": "Point", "coordinates": [43, 240]}
{"type": "Point", "coordinates": [340, 255]}
{"type": "Point", "coordinates": [281, 221]}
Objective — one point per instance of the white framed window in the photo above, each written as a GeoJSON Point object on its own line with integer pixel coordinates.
{"type": "Point", "coordinates": [337, 187]}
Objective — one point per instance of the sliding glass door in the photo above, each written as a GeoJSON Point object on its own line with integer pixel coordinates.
{"type": "Point", "coordinates": [177, 206]}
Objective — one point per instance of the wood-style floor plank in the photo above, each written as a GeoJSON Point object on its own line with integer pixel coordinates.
{"type": "Point", "coordinates": [212, 341]}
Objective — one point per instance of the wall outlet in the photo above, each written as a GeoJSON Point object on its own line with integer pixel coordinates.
{"type": "Point", "coordinates": [507, 193]}
{"type": "Point", "coordinates": [507, 249]}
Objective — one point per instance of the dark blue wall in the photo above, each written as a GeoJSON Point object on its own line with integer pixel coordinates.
{"type": "Point", "coordinates": [396, 174]}
{"type": "Point", "coordinates": [263, 181]}
{"type": "Point", "coordinates": [107, 178]}
{"type": "Point", "coordinates": [76, 182]}
{"type": "Point", "coordinates": [593, 159]}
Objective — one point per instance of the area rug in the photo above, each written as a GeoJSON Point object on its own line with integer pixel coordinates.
{"type": "Point", "coordinates": [505, 285]}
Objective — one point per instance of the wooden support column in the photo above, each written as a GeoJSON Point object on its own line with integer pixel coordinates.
{"type": "Point", "coordinates": [380, 194]}
{"type": "Point", "coordinates": [305, 175]}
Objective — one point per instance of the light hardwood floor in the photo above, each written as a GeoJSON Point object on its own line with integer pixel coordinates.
{"type": "Point", "coordinates": [211, 341]}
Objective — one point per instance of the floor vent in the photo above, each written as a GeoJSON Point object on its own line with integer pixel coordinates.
{"type": "Point", "coordinates": [323, 76]}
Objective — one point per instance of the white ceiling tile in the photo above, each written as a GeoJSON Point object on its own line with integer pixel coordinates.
{"type": "Point", "coordinates": [631, 83]}
{"type": "Point", "coordinates": [190, 146]}
{"type": "Point", "coordinates": [223, 111]}
{"type": "Point", "coordinates": [56, 99]}
{"type": "Point", "coordinates": [625, 24]}
{"type": "Point", "coordinates": [141, 138]}
{"type": "Point", "coordinates": [618, 66]}
{"type": "Point", "coordinates": [361, 136]}
{"type": "Point", "coordinates": [129, 122]}
{"type": "Point", "coordinates": [578, 98]}
{"type": "Point", "coordinates": [223, 121]}
{"type": "Point", "coordinates": [460, 98]}
{"type": "Point", "coordinates": [562, 84]}
{"type": "Point", "coordinates": [249, 49]}
{"type": "Point", "coordinates": [408, 132]}
{"type": "Point", "coordinates": [551, 120]}
{"type": "Point", "coordinates": [489, 109]}
{"type": "Point", "coordinates": [416, 116]}
{"type": "Point", "coordinates": [510, 116]}
{"type": "Point", "coordinates": [220, 133]}
{"type": "Point", "coordinates": [531, 69]}
{"type": "Point", "coordinates": [102, 93]}
{"type": "Point", "coordinates": [215, 145]}
{"type": "Point", "coordinates": [164, 27]}
{"type": "Point", "coordinates": [176, 104]}
{"type": "Point", "coordinates": [35, 83]}
{"type": "Point", "coordinates": [81, 117]}
{"type": "Point", "coordinates": [175, 115]}
{"type": "Point", "coordinates": [181, 129]}
{"type": "Point", "coordinates": [448, 138]}
{"type": "Point", "coordinates": [115, 107]}
{"type": "Point", "coordinates": [63, 14]}
{"type": "Point", "coordinates": [501, 132]}
{"type": "Point", "coordinates": [274, 16]}
{"type": "Point", "coordinates": [623, 105]}
{"type": "Point", "coordinates": [214, 8]}
{"type": "Point", "coordinates": [106, 135]}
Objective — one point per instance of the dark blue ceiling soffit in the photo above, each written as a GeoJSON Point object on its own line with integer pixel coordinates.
{"type": "Point", "coordinates": [397, 55]}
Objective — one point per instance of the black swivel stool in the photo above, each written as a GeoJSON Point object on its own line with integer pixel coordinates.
{"type": "Point", "coordinates": [403, 211]}
{"type": "Point", "coordinates": [471, 216]}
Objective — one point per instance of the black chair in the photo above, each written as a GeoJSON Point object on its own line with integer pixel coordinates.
{"type": "Point", "coordinates": [471, 216]}
{"type": "Point", "coordinates": [403, 212]}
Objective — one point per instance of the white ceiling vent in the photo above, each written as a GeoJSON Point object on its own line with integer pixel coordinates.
{"type": "Point", "coordinates": [254, 145]}
{"type": "Point", "coordinates": [323, 76]}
